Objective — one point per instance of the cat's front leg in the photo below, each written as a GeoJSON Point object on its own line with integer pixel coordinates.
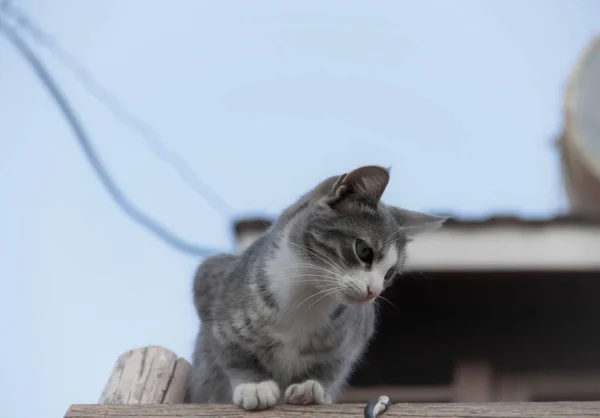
{"type": "Point", "coordinates": [256, 396]}
{"type": "Point", "coordinates": [322, 383]}
{"type": "Point", "coordinates": [309, 392]}
{"type": "Point", "coordinates": [252, 386]}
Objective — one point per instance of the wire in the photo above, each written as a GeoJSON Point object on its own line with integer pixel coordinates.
{"type": "Point", "coordinates": [119, 111]}
{"type": "Point", "coordinates": [91, 155]}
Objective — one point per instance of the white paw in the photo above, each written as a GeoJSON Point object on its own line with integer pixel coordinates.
{"type": "Point", "coordinates": [307, 393]}
{"type": "Point", "coordinates": [252, 396]}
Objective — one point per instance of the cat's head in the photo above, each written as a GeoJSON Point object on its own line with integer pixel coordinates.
{"type": "Point", "coordinates": [351, 239]}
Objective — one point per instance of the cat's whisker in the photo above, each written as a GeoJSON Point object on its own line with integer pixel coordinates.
{"type": "Point", "coordinates": [318, 268]}
{"type": "Point", "coordinates": [422, 275]}
{"type": "Point", "coordinates": [377, 308]}
{"type": "Point", "coordinates": [322, 253]}
{"type": "Point", "coordinates": [309, 276]}
{"type": "Point", "coordinates": [308, 265]}
{"type": "Point", "coordinates": [392, 237]}
{"type": "Point", "coordinates": [305, 248]}
{"type": "Point", "coordinates": [393, 233]}
{"type": "Point", "coordinates": [332, 292]}
{"type": "Point", "coordinates": [400, 230]}
{"type": "Point", "coordinates": [310, 297]}
{"type": "Point", "coordinates": [313, 281]}
{"type": "Point", "coordinates": [310, 251]}
{"type": "Point", "coordinates": [386, 299]}
{"type": "Point", "coordinates": [336, 288]}
{"type": "Point", "coordinates": [354, 285]}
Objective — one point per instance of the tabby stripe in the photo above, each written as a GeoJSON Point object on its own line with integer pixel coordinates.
{"type": "Point", "coordinates": [262, 284]}
{"type": "Point", "coordinates": [338, 312]}
{"type": "Point", "coordinates": [322, 246]}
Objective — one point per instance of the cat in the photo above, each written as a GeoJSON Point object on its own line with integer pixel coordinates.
{"type": "Point", "coordinates": [287, 320]}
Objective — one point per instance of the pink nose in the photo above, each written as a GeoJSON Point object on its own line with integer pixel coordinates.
{"type": "Point", "coordinates": [371, 294]}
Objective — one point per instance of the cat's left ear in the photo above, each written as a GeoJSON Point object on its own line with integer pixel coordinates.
{"type": "Point", "coordinates": [365, 183]}
{"type": "Point", "coordinates": [416, 223]}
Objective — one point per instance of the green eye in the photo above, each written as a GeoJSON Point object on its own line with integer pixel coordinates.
{"type": "Point", "coordinates": [363, 251]}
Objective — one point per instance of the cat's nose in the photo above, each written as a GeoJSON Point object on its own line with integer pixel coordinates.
{"type": "Point", "coordinates": [371, 293]}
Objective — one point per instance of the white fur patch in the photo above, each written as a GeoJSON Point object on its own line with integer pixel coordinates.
{"type": "Point", "coordinates": [293, 282]}
{"type": "Point", "coordinates": [309, 392]}
{"type": "Point", "coordinates": [255, 396]}
{"type": "Point", "coordinates": [285, 271]}
{"type": "Point", "coordinates": [373, 278]}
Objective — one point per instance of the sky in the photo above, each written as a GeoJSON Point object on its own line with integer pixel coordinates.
{"type": "Point", "coordinates": [263, 99]}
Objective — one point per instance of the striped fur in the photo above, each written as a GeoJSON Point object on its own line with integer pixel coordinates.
{"type": "Point", "coordinates": [286, 321]}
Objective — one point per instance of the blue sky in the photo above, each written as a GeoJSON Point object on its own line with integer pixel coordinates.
{"type": "Point", "coordinates": [263, 99]}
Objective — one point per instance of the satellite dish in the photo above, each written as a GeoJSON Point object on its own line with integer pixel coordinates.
{"type": "Point", "coordinates": [580, 142]}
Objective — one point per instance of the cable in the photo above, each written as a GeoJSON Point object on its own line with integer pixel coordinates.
{"type": "Point", "coordinates": [90, 153]}
{"type": "Point", "coordinates": [119, 111]}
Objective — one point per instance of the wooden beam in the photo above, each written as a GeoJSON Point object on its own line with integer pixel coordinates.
{"type": "Point", "coordinates": [495, 410]}
{"type": "Point", "coordinates": [399, 394]}
{"type": "Point", "coordinates": [149, 375]}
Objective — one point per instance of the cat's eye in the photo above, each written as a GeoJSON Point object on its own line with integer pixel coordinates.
{"type": "Point", "coordinates": [391, 273]}
{"type": "Point", "coordinates": [363, 251]}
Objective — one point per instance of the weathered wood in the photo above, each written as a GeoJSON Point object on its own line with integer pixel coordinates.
{"type": "Point", "coordinates": [398, 394]}
{"type": "Point", "coordinates": [491, 410]}
{"type": "Point", "coordinates": [149, 375]}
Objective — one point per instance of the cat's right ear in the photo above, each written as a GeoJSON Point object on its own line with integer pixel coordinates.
{"type": "Point", "coordinates": [415, 223]}
{"type": "Point", "coordinates": [365, 184]}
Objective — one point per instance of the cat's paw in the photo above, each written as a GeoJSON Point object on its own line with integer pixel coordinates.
{"type": "Point", "coordinates": [254, 396]}
{"type": "Point", "coordinates": [307, 393]}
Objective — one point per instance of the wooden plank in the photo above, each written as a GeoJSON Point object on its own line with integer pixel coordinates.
{"type": "Point", "coordinates": [399, 394]}
{"type": "Point", "coordinates": [149, 375]}
{"type": "Point", "coordinates": [489, 410]}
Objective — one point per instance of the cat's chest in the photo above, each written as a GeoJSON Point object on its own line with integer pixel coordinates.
{"type": "Point", "coordinates": [297, 351]}
{"type": "Point", "coordinates": [291, 357]}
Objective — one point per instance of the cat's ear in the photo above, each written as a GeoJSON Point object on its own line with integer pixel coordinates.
{"type": "Point", "coordinates": [416, 223]}
{"type": "Point", "coordinates": [365, 183]}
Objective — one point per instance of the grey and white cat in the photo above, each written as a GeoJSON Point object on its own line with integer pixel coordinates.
{"type": "Point", "coordinates": [292, 315]}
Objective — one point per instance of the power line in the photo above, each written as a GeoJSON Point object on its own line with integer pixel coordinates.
{"type": "Point", "coordinates": [91, 155]}
{"type": "Point", "coordinates": [119, 111]}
